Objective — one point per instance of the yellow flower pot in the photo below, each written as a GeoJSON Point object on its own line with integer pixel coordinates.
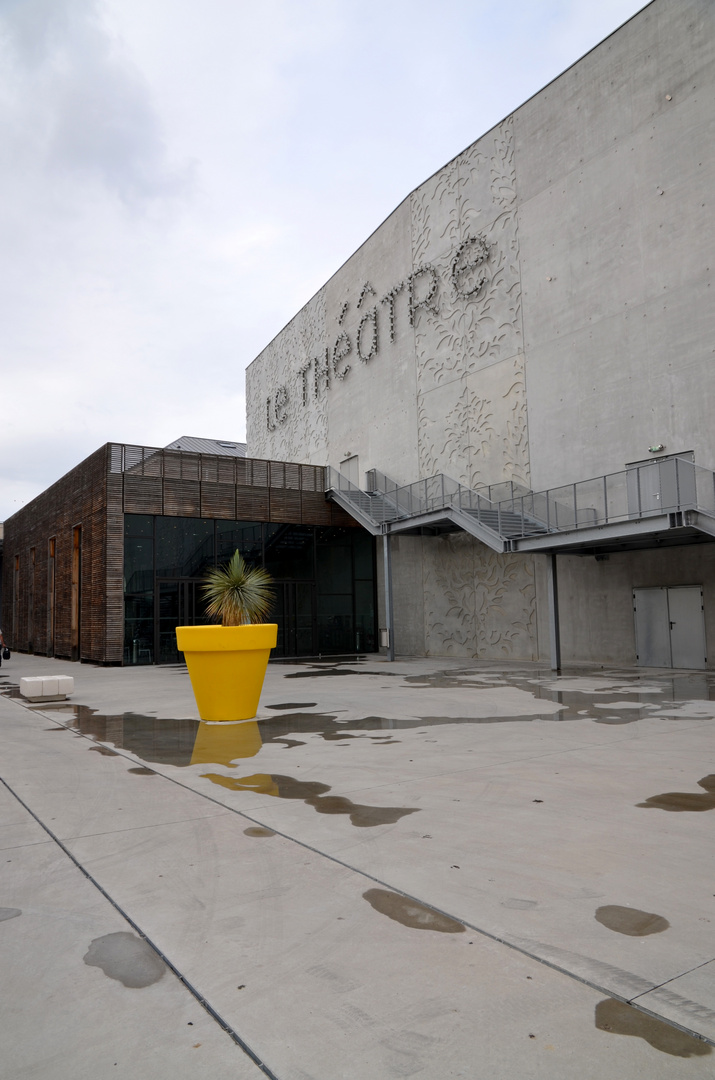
{"type": "Point", "coordinates": [227, 666]}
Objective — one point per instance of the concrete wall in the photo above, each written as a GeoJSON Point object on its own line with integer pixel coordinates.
{"type": "Point", "coordinates": [541, 307]}
{"type": "Point", "coordinates": [540, 310]}
{"type": "Point", "coordinates": [453, 596]}
{"type": "Point", "coordinates": [411, 356]}
{"type": "Point", "coordinates": [596, 598]}
{"type": "Point", "coordinates": [615, 166]}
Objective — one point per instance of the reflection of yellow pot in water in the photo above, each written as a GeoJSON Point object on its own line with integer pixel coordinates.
{"type": "Point", "coordinates": [227, 665]}
{"type": "Point", "coordinates": [261, 783]}
{"type": "Point", "coordinates": [220, 744]}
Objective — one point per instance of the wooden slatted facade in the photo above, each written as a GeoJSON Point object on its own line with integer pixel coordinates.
{"type": "Point", "coordinates": [86, 508]}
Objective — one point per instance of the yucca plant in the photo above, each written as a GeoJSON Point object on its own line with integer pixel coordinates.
{"type": "Point", "coordinates": [238, 594]}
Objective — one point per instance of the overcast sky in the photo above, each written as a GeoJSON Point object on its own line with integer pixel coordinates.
{"type": "Point", "coordinates": [178, 178]}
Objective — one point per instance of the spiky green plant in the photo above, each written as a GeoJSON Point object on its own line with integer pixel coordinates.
{"type": "Point", "coordinates": [237, 593]}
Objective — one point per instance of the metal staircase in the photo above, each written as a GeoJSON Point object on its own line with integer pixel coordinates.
{"type": "Point", "coordinates": [670, 500]}
{"type": "Point", "coordinates": [387, 507]}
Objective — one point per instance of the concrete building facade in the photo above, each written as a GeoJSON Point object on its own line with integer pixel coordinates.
{"type": "Point", "coordinates": [537, 314]}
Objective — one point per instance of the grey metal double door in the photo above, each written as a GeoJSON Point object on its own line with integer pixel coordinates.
{"type": "Point", "coordinates": [670, 626]}
{"type": "Point", "coordinates": [659, 487]}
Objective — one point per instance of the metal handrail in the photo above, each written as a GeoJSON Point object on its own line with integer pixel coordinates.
{"type": "Point", "coordinates": [666, 485]}
{"type": "Point", "coordinates": [661, 486]}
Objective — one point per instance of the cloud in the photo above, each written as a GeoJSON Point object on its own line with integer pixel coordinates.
{"type": "Point", "coordinates": [177, 179]}
{"type": "Point", "coordinates": [73, 102]}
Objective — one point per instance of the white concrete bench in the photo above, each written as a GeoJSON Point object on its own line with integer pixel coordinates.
{"type": "Point", "coordinates": [47, 687]}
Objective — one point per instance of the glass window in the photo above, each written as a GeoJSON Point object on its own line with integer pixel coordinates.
{"type": "Point", "coordinates": [138, 564]}
{"type": "Point", "coordinates": [335, 561]}
{"type": "Point", "coordinates": [365, 616]}
{"type": "Point", "coordinates": [289, 551]}
{"type": "Point", "coordinates": [363, 549]}
{"type": "Point", "coordinates": [139, 628]}
{"type": "Point", "coordinates": [138, 525]}
{"type": "Point", "coordinates": [184, 546]}
{"type": "Point", "coordinates": [243, 536]}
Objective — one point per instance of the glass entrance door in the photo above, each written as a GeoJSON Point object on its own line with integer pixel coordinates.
{"type": "Point", "coordinates": [294, 612]}
{"type": "Point", "coordinates": [180, 604]}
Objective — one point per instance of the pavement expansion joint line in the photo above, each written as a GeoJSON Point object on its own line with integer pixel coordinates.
{"type": "Point", "coordinates": [216, 1016]}
{"type": "Point", "coordinates": [674, 978]}
{"type": "Point", "coordinates": [501, 940]}
{"type": "Point", "coordinates": [138, 828]}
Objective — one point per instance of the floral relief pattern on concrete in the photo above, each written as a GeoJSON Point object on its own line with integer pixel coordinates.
{"type": "Point", "coordinates": [472, 198]}
{"type": "Point", "coordinates": [449, 592]}
{"type": "Point", "coordinates": [477, 436]}
{"type": "Point", "coordinates": [470, 333]}
{"type": "Point", "coordinates": [280, 424]}
{"type": "Point", "coordinates": [498, 436]}
{"type": "Point", "coordinates": [478, 602]}
{"type": "Point", "coordinates": [435, 215]}
{"type": "Point", "coordinates": [503, 174]}
{"type": "Point", "coordinates": [454, 424]}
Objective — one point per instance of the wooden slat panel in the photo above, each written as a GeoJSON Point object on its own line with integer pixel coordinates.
{"type": "Point", "coordinates": [209, 469]}
{"type": "Point", "coordinates": [312, 478]}
{"type": "Point", "coordinates": [142, 494]}
{"type": "Point", "coordinates": [79, 498]}
{"type": "Point", "coordinates": [315, 509]}
{"type": "Point", "coordinates": [227, 469]}
{"type": "Point", "coordinates": [292, 476]}
{"type": "Point", "coordinates": [114, 585]}
{"type": "Point", "coordinates": [256, 472]}
{"type": "Point", "coordinates": [182, 497]}
{"type": "Point", "coordinates": [180, 466]}
{"type": "Point", "coordinates": [218, 500]}
{"type": "Point", "coordinates": [338, 516]}
{"type": "Point", "coordinates": [252, 504]}
{"type": "Point", "coordinates": [284, 505]}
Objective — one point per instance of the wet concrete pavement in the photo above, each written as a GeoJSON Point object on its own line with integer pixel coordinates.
{"type": "Point", "coordinates": [428, 868]}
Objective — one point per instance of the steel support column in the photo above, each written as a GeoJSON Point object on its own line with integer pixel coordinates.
{"type": "Point", "coordinates": [554, 631]}
{"type": "Point", "coordinates": [389, 614]}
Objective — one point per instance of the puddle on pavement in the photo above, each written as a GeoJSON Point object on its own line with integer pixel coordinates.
{"type": "Point", "coordinates": [141, 770]}
{"type": "Point", "coordinates": [9, 913]}
{"type": "Point", "coordinates": [620, 1019]}
{"type": "Point", "coordinates": [462, 678]}
{"type": "Point", "coordinates": [126, 958]}
{"type": "Point", "coordinates": [9, 689]}
{"type": "Point", "coordinates": [294, 705]}
{"type": "Point", "coordinates": [190, 742]}
{"type": "Point", "coordinates": [685, 801]}
{"type": "Point", "coordinates": [630, 921]}
{"type": "Point", "coordinates": [607, 697]}
{"type": "Point", "coordinates": [321, 673]}
{"type": "Point", "coordinates": [411, 913]}
{"type": "Point", "coordinates": [258, 830]}
{"type": "Point", "coordinates": [313, 794]}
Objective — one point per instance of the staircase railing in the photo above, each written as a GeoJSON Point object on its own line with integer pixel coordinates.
{"type": "Point", "coordinates": [655, 488]}
{"type": "Point", "coordinates": [385, 501]}
{"type": "Point", "coordinates": [648, 490]}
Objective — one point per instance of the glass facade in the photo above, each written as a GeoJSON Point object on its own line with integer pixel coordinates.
{"type": "Point", "coordinates": [324, 580]}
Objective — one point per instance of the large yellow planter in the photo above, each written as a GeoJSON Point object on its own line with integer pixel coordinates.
{"type": "Point", "coordinates": [227, 666]}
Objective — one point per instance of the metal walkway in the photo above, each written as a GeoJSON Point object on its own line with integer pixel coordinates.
{"type": "Point", "coordinates": [657, 503]}
{"type": "Point", "coordinates": [667, 501]}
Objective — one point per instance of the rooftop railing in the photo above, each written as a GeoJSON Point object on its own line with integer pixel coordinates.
{"type": "Point", "coordinates": [152, 461]}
